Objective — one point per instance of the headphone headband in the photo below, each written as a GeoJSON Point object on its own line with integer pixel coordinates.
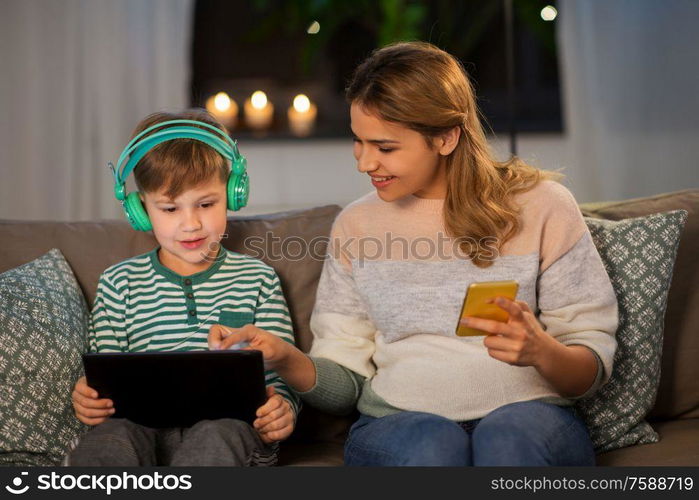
{"type": "Point", "coordinates": [237, 187]}
{"type": "Point", "coordinates": [222, 143]}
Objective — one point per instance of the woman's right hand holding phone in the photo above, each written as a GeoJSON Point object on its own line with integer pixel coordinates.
{"type": "Point", "coordinates": [89, 408]}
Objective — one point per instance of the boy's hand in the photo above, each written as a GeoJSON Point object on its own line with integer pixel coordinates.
{"type": "Point", "coordinates": [274, 349]}
{"type": "Point", "coordinates": [275, 418]}
{"type": "Point", "coordinates": [88, 408]}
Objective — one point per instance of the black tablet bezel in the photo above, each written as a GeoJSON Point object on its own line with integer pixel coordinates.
{"type": "Point", "coordinates": [177, 388]}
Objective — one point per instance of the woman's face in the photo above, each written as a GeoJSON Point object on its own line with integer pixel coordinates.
{"type": "Point", "coordinates": [398, 159]}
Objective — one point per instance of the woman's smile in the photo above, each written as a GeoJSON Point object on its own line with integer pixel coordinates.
{"type": "Point", "coordinates": [382, 182]}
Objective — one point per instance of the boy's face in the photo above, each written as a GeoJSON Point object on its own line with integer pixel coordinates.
{"type": "Point", "coordinates": [189, 227]}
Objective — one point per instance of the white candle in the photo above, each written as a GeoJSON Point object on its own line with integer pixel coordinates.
{"type": "Point", "coordinates": [302, 116]}
{"type": "Point", "coordinates": [258, 111]}
{"type": "Point", "coordinates": [223, 108]}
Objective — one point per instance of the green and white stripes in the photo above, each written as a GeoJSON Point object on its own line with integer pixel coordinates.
{"type": "Point", "coordinates": [143, 306]}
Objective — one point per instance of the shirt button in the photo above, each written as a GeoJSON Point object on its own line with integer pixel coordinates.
{"type": "Point", "coordinates": [187, 282]}
{"type": "Point", "coordinates": [190, 295]}
{"type": "Point", "coordinates": [192, 312]}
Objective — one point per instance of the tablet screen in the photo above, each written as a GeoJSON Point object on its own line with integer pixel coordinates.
{"type": "Point", "coordinates": [178, 389]}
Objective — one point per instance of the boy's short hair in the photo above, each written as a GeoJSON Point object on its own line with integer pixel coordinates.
{"type": "Point", "coordinates": [179, 164]}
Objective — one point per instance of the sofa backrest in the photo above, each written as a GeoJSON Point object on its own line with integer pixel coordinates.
{"type": "Point", "coordinates": [678, 395]}
{"type": "Point", "coordinates": [91, 247]}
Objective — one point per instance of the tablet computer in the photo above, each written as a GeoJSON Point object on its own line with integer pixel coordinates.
{"type": "Point", "coordinates": [178, 389]}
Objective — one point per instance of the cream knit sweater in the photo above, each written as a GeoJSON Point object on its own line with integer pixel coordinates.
{"type": "Point", "coordinates": [390, 294]}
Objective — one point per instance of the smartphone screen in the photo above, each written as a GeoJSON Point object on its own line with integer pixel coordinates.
{"type": "Point", "coordinates": [476, 304]}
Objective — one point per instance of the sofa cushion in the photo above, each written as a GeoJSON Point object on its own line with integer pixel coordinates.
{"type": "Point", "coordinates": [89, 247]}
{"type": "Point", "coordinates": [638, 255]}
{"type": "Point", "coordinates": [678, 394]}
{"type": "Point", "coordinates": [43, 332]}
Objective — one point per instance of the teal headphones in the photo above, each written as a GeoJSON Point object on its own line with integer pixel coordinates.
{"type": "Point", "coordinates": [238, 186]}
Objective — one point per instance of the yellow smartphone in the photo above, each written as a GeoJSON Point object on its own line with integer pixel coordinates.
{"type": "Point", "coordinates": [475, 304]}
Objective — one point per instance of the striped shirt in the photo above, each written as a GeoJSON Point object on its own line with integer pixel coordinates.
{"type": "Point", "coordinates": [143, 306]}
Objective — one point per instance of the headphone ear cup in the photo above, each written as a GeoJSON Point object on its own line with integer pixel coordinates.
{"type": "Point", "coordinates": [238, 190]}
{"type": "Point", "coordinates": [136, 213]}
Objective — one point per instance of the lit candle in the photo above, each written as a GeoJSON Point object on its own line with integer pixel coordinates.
{"type": "Point", "coordinates": [258, 111]}
{"type": "Point", "coordinates": [223, 108]}
{"type": "Point", "coordinates": [302, 116]}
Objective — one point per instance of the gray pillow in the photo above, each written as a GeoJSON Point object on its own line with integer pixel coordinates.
{"type": "Point", "coordinates": [43, 332]}
{"type": "Point", "coordinates": [639, 255]}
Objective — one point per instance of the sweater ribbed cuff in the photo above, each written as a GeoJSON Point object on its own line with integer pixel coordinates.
{"type": "Point", "coordinates": [336, 389]}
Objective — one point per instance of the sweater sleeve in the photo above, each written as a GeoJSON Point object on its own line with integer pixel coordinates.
{"type": "Point", "coordinates": [577, 304]}
{"type": "Point", "coordinates": [107, 332]}
{"type": "Point", "coordinates": [272, 315]}
{"type": "Point", "coordinates": [343, 334]}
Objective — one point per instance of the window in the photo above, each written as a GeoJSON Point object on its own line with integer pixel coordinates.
{"type": "Point", "coordinates": [286, 48]}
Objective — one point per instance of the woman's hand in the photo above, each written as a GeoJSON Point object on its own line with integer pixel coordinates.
{"type": "Point", "coordinates": [274, 349]}
{"type": "Point", "coordinates": [521, 341]}
{"type": "Point", "coordinates": [88, 407]}
{"type": "Point", "coordinates": [275, 418]}
{"type": "Point", "coordinates": [290, 363]}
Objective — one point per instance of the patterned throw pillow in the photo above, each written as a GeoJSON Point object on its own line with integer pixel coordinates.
{"type": "Point", "coordinates": [43, 332]}
{"type": "Point", "coordinates": [639, 255]}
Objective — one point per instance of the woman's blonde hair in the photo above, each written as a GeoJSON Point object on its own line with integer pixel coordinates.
{"type": "Point", "coordinates": [423, 88]}
{"type": "Point", "coordinates": [179, 164]}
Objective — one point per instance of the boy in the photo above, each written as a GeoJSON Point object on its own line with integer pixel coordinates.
{"type": "Point", "coordinates": [169, 298]}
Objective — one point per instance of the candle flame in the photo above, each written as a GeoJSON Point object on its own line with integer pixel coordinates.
{"type": "Point", "coordinates": [222, 102]}
{"type": "Point", "coordinates": [301, 103]}
{"type": "Point", "coordinates": [258, 100]}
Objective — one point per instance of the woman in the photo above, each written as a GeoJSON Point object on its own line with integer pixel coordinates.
{"type": "Point", "coordinates": [445, 214]}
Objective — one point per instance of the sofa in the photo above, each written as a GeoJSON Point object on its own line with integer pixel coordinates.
{"type": "Point", "coordinates": [90, 247]}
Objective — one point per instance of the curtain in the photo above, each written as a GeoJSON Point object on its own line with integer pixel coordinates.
{"type": "Point", "coordinates": [77, 75]}
{"type": "Point", "coordinates": [630, 78]}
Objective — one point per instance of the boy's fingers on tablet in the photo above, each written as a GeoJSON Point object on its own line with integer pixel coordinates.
{"type": "Point", "coordinates": [281, 416]}
{"type": "Point", "coordinates": [82, 388]}
{"type": "Point", "coordinates": [278, 435]}
{"type": "Point", "coordinates": [79, 399]}
{"type": "Point", "coordinates": [273, 415]}
{"type": "Point", "coordinates": [277, 424]}
{"type": "Point", "coordinates": [271, 404]}
{"type": "Point", "coordinates": [97, 403]}
{"type": "Point", "coordinates": [267, 439]}
{"type": "Point", "coordinates": [92, 402]}
{"type": "Point", "coordinates": [96, 413]}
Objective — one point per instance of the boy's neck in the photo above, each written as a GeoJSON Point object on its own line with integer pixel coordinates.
{"type": "Point", "coordinates": [181, 267]}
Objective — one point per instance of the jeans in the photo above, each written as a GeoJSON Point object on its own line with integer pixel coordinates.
{"type": "Point", "coordinates": [223, 442]}
{"type": "Point", "coordinates": [530, 433]}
